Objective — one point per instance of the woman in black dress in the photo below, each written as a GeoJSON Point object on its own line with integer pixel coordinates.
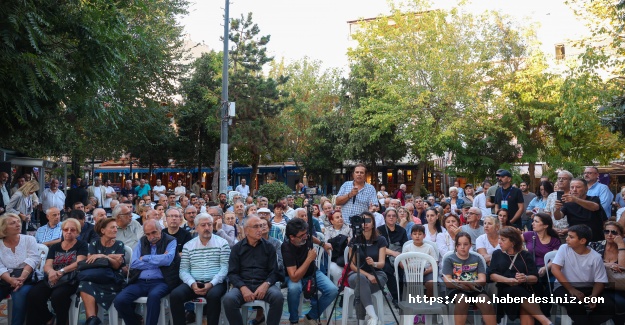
{"type": "Point", "coordinates": [107, 247]}
{"type": "Point", "coordinates": [514, 271]}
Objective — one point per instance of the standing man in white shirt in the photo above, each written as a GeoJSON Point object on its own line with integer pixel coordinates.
{"type": "Point", "coordinates": [52, 198]}
{"type": "Point", "coordinates": [109, 196]}
{"type": "Point", "coordinates": [243, 189]}
{"type": "Point", "coordinates": [180, 190]}
{"type": "Point", "coordinates": [158, 190]}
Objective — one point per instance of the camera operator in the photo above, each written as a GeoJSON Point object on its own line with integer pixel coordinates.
{"type": "Point", "coordinates": [356, 196]}
{"type": "Point", "coordinates": [372, 259]}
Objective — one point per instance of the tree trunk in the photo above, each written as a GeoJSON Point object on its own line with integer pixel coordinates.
{"type": "Point", "coordinates": [416, 190]}
{"type": "Point", "coordinates": [254, 174]}
{"type": "Point", "coordinates": [374, 174]}
{"type": "Point", "coordinates": [215, 184]}
{"type": "Point", "coordinates": [532, 169]}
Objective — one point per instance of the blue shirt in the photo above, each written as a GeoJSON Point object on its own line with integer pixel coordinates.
{"type": "Point", "coordinates": [604, 194]}
{"type": "Point", "coordinates": [141, 192]}
{"type": "Point", "coordinates": [150, 264]}
{"type": "Point", "coordinates": [359, 203]}
{"type": "Point", "coordinates": [537, 202]}
{"type": "Point", "coordinates": [45, 233]}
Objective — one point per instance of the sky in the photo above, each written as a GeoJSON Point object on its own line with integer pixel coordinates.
{"type": "Point", "coordinates": [319, 30]}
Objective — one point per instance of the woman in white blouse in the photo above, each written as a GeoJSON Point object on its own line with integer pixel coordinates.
{"type": "Point", "coordinates": [487, 243]}
{"type": "Point", "coordinates": [18, 259]}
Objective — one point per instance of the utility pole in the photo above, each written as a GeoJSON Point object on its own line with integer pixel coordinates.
{"type": "Point", "coordinates": [225, 117]}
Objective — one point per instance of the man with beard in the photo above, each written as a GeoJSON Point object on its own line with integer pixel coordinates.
{"type": "Point", "coordinates": [203, 269]}
{"type": "Point", "coordinates": [223, 202]}
{"type": "Point", "coordinates": [356, 196]}
{"type": "Point", "coordinates": [580, 208]}
{"type": "Point", "coordinates": [299, 262]}
{"type": "Point", "coordinates": [509, 197]}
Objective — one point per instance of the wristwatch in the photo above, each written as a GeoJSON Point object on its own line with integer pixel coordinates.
{"type": "Point", "coordinates": [268, 283]}
{"type": "Point", "coordinates": [321, 243]}
{"type": "Point", "coordinates": [62, 271]}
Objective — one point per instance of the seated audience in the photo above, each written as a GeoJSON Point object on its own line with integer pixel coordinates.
{"type": "Point", "coordinates": [542, 240]}
{"type": "Point", "coordinates": [253, 272]}
{"type": "Point", "coordinates": [157, 263]}
{"type": "Point", "coordinates": [514, 271]}
{"type": "Point", "coordinates": [445, 241]}
{"type": "Point", "coordinates": [580, 273]}
{"type": "Point", "coordinates": [418, 234]}
{"type": "Point", "coordinates": [174, 220]}
{"type": "Point", "coordinates": [473, 227]}
{"type": "Point", "coordinates": [612, 249]}
{"type": "Point", "coordinates": [50, 233]}
{"type": "Point", "coordinates": [19, 258]}
{"type": "Point", "coordinates": [465, 274]}
{"type": "Point", "coordinates": [103, 293]}
{"type": "Point", "coordinates": [372, 259]}
{"type": "Point", "coordinates": [299, 259]}
{"type": "Point", "coordinates": [128, 231]}
{"type": "Point", "coordinates": [203, 270]}
{"type": "Point", "coordinates": [59, 282]}
{"type": "Point", "coordinates": [489, 241]}
{"type": "Point", "coordinates": [87, 231]}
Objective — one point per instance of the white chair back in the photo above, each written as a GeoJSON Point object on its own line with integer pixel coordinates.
{"type": "Point", "coordinates": [321, 236]}
{"type": "Point", "coordinates": [282, 230]}
{"type": "Point", "coordinates": [43, 251]}
{"type": "Point", "coordinates": [548, 258]}
{"type": "Point", "coordinates": [128, 258]}
{"type": "Point", "coordinates": [414, 265]}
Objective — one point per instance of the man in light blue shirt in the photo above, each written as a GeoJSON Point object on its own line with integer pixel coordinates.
{"type": "Point", "coordinates": [50, 233]}
{"type": "Point", "coordinates": [356, 196]}
{"type": "Point", "coordinates": [595, 188]}
{"type": "Point", "coordinates": [156, 259]}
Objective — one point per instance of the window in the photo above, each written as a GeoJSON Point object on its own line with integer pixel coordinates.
{"type": "Point", "coordinates": [560, 53]}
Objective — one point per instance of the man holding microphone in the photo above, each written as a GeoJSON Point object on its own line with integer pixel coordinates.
{"type": "Point", "coordinates": [356, 196]}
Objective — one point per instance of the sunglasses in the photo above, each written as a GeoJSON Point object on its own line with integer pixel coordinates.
{"type": "Point", "coordinates": [613, 232]}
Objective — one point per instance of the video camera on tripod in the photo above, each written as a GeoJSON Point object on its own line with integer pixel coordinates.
{"type": "Point", "coordinates": [356, 223]}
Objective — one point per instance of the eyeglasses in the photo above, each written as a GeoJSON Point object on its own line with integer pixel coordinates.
{"type": "Point", "coordinates": [258, 226]}
{"type": "Point", "coordinates": [613, 232]}
{"type": "Point", "coordinates": [304, 235]}
{"type": "Point", "coordinates": [473, 213]}
{"type": "Point", "coordinates": [70, 230]}
{"type": "Point", "coordinates": [125, 214]}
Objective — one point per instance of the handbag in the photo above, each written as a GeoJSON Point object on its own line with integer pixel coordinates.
{"type": "Point", "coordinates": [310, 287]}
{"type": "Point", "coordinates": [616, 281]}
{"type": "Point", "coordinates": [16, 273]}
{"type": "Point", "coordinates": [102, 275]}
{"type": "Point", "coordinates": [343, 279]}
{"type": "Point", "coordinates": [67, 278]}
{"type": "Point", "coordinates": [97, 264]}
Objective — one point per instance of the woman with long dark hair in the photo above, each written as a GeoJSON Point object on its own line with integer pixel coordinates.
{"type": "Point", "coordinates": [372, 259]}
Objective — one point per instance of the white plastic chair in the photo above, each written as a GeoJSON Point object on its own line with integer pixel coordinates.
{"type": "Point", "coordinates": [476, 316]}
{"type": "Point", "coordinates": [128, 259]}
{"type": "Point", "coordinates": [414, 265]}
{"type": "Point", "coordinates": [348, 300]}
{"type": "Point", "coordinates": [282, 230]}
{"type": "Point", "coordinates": [162, 317]}
{"type": "Point", "coordinates": [256, 303]}
{"type": "Point", "coordinates": [74, 311]}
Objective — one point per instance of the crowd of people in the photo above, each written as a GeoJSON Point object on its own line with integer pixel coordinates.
{"type": "Point", "coordinates": [491, 239]}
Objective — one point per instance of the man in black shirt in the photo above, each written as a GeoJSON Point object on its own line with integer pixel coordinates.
{"type": "Point", "coordinates": [299, 264]}
{"type": "Point", "coordinates": [509, 198]}
{"type": "Point", "coordinates": [174, 220]}
{"type": "Point", "coordinates": [581, 209]}
{"type": "Point", "coordinates": [253, 272]}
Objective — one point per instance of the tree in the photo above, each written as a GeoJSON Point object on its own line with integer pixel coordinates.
{"type": "Point", "coordinates": [258, 100]}
{"type": "Point", "coordinates": [73, 72]}
{"type": "Point", "coordinates": [198, 119]}
{"type": "Point", "coordinates": [430, 73]}
{"type": "Point", "coordinates": [309, 94]}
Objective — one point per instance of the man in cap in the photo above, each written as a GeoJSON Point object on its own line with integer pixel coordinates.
{"type": "Point", "coordinates": [509, 198]}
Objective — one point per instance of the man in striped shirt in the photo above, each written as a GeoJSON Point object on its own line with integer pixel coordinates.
{"type": "Point", "coordinates": [203, 269]}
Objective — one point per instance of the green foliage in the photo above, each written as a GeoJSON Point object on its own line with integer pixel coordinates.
{"type": "Point", "coordinates": [258, 99]}
{"type": "Point", "coordinates": [78, 78]}
{"type": "Point", "coordinates": [198, 118]}
{"type": "Point", "coordinates": [274, 191]}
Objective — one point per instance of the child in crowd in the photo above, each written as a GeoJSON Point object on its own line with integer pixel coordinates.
{"type": "Point", "coordinates": [417, 233]}
{"type": "Point", "coordinates": [580, 273]}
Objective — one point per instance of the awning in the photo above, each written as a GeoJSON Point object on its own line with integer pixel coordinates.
{"type": "Point", "coordinates": [263, 169]}
{"type": "Point", "coordinates": [126, 170]}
